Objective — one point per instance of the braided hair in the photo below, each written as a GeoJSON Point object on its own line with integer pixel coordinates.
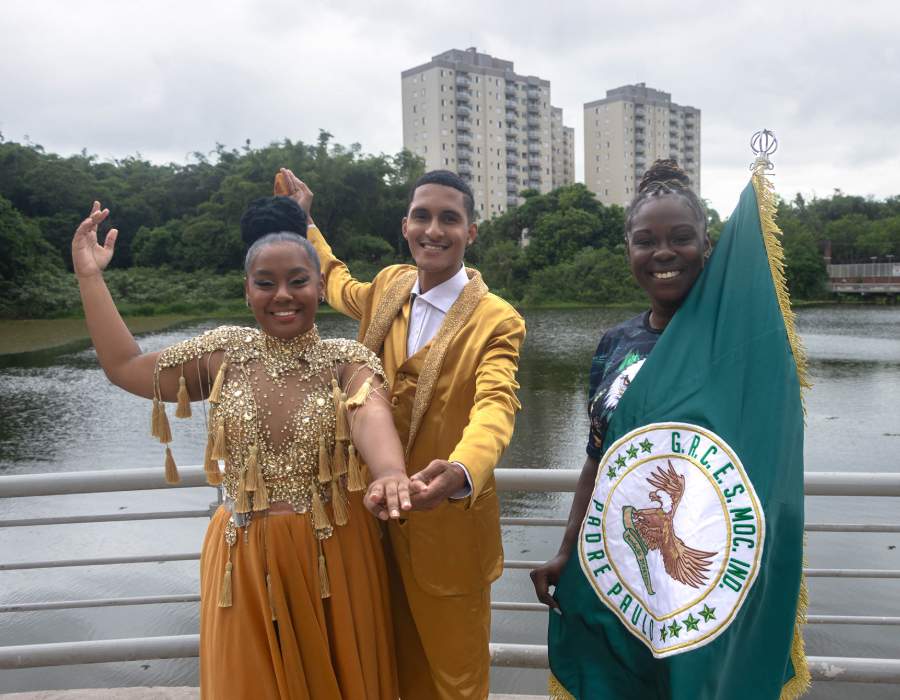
{"type": "Point", "coordinates": [663, 178]}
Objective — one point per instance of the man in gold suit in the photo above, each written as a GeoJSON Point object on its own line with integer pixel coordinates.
{"type": "Point", "coordinates": [450, 350]}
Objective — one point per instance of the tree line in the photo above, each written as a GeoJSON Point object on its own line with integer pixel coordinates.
{"type": "Point", "coordinates": [179, 246]}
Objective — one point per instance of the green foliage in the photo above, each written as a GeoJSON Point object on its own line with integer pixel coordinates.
{"type": "Point", "coordinates": [179, 246]}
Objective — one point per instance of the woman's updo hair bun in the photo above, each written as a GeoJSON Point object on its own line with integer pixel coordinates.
{"type": "Point", "coordinates": [270, 220]}
{"type": "Point", "coordinates": [272, 215]}
{"type": "Point", "coordinates": [665, 177]}
{"type": "Point", "coordinates": [664, 171]}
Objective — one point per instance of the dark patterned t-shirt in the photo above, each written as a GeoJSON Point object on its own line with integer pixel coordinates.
{"type": "Point", "coordinates": [619, 356]}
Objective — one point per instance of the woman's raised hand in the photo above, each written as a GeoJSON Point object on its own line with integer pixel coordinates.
{"type": "Point", "coordinates": [88, 256]}
{"type": "Point", "coordinates": [388, 497]}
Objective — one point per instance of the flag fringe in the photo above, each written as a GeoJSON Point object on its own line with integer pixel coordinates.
{"type": "Point", "coordinates": [767, 206]}
{"type": "Point", "coordinates": [557, 690]}
{"type": "Point", "coordinates": [800, 683]}
{"type": "Point", "coordinates": [765, 199]}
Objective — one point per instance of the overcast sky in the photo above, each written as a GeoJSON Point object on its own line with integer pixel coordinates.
{"type": "Point", "coordinates": [168, 78]}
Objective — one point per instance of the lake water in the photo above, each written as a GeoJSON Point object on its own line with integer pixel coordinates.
{"type": "Point", "coordinates": [58, 413]}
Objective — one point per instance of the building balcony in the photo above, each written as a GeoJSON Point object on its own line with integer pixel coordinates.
{"type": "Point", "coordinates": [463, 153]}
{"type": "Point", "coordinates": [534, 108]}
{"type": "Point", "coordinates": [512, 186]}
{"type": "Point", "coordinates": [463, 125]}
{"type": "Point", "coordinates": [511, 90]}
{"type": "Point", "coordinates": [512, 147]}
{"type": "Point", "coordinates": [512, 174]}
{"type": "Point", "coordinates": [533, 121]}
{"type": "Point", "coordinates": [464, 169]}
{"type": "Point", "coordinates": [673, 134]}
{"type": "Point", "coordinates": [512, 201]}
{"type": "Point", "coordinates": [534, 161]}
{"type": "Point", "coordinates": [462, 96]}
{"type": "Point", "coordinates": [463, 111]}
{"type": "Point", "coordinates": [534, 146]}
{"type": "Point", "coordinates": [512, 159]}
{"type": "Point", "coordinates": [464, 139]}
{"type": "Point", "coordinates": [512, 105]}
{"type": "Point", "coordinates": [462, 80]}
{"type": "Point", "coordinates": [534, 182]}
{"type": "Point", "coordinates": [534, 93]}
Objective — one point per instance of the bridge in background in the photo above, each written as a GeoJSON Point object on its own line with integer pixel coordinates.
{"type": "Point", "coordinates": [865, 279]}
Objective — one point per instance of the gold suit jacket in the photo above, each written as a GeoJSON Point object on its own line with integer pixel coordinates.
{"type": "Point", "coordinates": [455, 399]}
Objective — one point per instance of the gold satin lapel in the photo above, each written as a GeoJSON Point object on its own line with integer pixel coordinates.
{"type": "Point", "coordinates": [390, 304]}
{"type": "Point", "coordinates": [456, 318]}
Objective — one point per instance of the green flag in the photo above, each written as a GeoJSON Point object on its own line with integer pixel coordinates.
{"type": "Point", "coordinates": [687, 579]}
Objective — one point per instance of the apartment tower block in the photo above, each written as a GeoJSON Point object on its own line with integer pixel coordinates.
{"type": "Point", "coordinates": [472, 113]}
{"type": "Point", "coordinates": [629, 129]}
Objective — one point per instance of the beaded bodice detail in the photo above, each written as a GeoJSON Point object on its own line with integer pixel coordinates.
{"type": "Point", "coordinates": [277, 408]}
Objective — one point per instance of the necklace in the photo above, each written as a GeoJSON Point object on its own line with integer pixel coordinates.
{"type": "Point", "coordinates": [280, 356]}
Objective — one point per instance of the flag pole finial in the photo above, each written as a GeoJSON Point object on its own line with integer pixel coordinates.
{"type": "Point", "coordinates": [763, 144]}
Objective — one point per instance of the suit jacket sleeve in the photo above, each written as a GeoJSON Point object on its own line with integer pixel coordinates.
{"type": "Point", "coordinates": [342, 291]}
{"type": "Point", "coordinates": [492, 417]}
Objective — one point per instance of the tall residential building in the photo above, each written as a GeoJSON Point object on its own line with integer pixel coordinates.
{"type": "Point", "coordinates": [629, 129]}
{"type": "Point", "coordinates": [472, 113]}
{"type": "Point", "coordinates": [562, 140]}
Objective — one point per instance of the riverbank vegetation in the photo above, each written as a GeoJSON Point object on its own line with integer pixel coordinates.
{"type": "Point", "coordinates": [179, 249]}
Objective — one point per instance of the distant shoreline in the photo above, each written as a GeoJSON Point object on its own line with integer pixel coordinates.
{"type": "Point", "coordinates": [19, 336]}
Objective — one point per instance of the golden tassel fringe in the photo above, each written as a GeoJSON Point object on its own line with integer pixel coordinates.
{"type": "Point", "coordinates": [165, 431]}
{"type": "Point", "coordinates": [355, 479]}
{"type": "Point", "coordinates": [172, 476]}
{"type": "Point", "coordinates": [319, 514]}
{"type": "Point", "coordinates": [324, 585]}
{"type": "Point", "coordinates": [218, 450]}
{"type": "Point", "coordinates": [765, 198]}
{"type": "Point", "coordinates": [261, 496]}
{"type": "Point", "coordinates": [183, 409]}
{"type": "Point", "coordinates": [154, 418]}
{"type": "Point", "coordinates": [211, 466]}
{"type": "Point", "coordinates": [800, 683]}
{"type": "Point", "coordinates": [242, 499]}
{"type": "Point", "coordinates": [359, 398]}
{"type": "Point", "coordinates": [341, 429]}
{"type": "Point", "coordinates": [324, 461]}
{"type": "Point", "coordinates": [225, 590]}
{"type": "Point", "coordinates": [253, 476]}
{"type": "Point", "coordinates": [339, 504]}
{"type": "Point", "coordinates": [339, 460]}
{"type": "Point", "coordinates": [215, 394]}
{"type": "Point", "coordinates": [271, 597]}
{"type": "Point", "coordinates": [557, 690]}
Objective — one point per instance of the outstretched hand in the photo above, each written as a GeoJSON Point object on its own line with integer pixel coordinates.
{"type": "Point", "coordinates": [298, 191]}
{"type": "Point", "coordinates": [88, 256]}
{"type": "Point", "coordinates": [388, 497]}
{"type": "Point", "coordinates": [436, 483]}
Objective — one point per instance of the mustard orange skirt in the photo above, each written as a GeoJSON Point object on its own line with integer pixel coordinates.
{"type": "Point", "coordinates": [335, 648]}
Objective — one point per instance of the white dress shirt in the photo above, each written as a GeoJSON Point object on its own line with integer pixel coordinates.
{"type": "Point", "coordinates": [426, 315]}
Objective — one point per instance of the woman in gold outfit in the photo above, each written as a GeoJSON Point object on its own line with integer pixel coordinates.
{"type": "Point", "coordinates": [294, 599]}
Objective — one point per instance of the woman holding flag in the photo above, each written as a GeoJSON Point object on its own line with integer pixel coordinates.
{"type": "Point", "coordinates": [665, 583]}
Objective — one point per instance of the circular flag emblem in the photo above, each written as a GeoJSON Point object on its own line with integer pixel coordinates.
{"type": "Point", "coordinates": [673, 536]}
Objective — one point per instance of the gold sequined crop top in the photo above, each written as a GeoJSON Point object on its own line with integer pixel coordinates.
{"type": "Point", "coordinates": [278, 418]}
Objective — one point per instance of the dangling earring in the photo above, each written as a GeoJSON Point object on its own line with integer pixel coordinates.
{"type": "Point", "coordinates": [247, 299]}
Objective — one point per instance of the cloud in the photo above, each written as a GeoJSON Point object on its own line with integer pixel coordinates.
{"type": "Point", "coordinates": [167, 78]}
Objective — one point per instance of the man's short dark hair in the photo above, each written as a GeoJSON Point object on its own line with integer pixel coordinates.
{"type": "Point", "coordinates": [447, 178]}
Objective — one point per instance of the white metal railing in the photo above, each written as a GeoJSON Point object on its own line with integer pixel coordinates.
{"type": "Point", "coordinates": [517, 655]}
{"type": "Point", "coordinates": [855, 270]}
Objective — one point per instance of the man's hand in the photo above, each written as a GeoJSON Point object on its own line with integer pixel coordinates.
{"type": "Point", "coordinates": [298, 191]}
{"type": "Point", "coordinates": [435, 484]}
